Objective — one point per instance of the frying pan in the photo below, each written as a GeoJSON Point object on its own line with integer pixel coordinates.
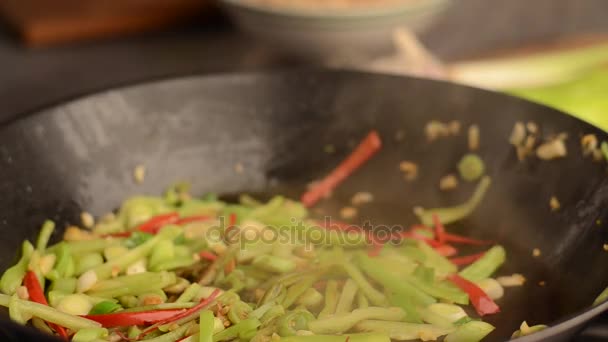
{"type": "Point", "coordinates": [80, 155]}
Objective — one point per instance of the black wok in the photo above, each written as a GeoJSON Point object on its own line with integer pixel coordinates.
{"type": "Point", "coordinates": [80, 155]}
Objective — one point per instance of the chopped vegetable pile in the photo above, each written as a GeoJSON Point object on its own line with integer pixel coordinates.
{"type": "Point", "coordinates": [179, 268]}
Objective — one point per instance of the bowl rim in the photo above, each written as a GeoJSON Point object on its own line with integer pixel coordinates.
{"type": "Point", "coordinates": [407, 7]}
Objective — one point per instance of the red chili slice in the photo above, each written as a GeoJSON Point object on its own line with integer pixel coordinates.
{"type": "Point", "coordinates": [30, 281]}
{"type": "Point", "coordinates": [191, 219]}
{"type": "Point", "coordinates": [366, 149]}
{"type": "Point", "coordinates": [439, 229]}
{"type": "Point", "coordinates": [446, 250]}
{"type": "Point", "coordinates": [127, 319]}
{"type": "Point", "coordinates": [154, 224]}
{"type": "Point", "coordinates": [484, 305]}
{"type": "Point", "coordinates": [207, 255]}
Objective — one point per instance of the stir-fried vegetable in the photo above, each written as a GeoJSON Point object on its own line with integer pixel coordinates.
{"type": "Point", "coordinates": [178, 268]}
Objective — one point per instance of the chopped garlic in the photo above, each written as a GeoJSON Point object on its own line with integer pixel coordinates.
{"type": "Point", "coordinates": [454, 127]}
{"type": "Point", "coordinates": [46, 263]}
{"type": "Point", "coordinates": [474, 136]}
{"type": "Point", "coordinates": [73, 233]}
{"type": "Point", "coordinates": [511, 281]}
{"type": "Point", "coordinates": [551, 150]}
{"type": "Point", "coordinates": [409, 169]}
{"type": "Point", "coordinates": [589, 144]}
{"type": "Point", "coordinates": [86, 281]}
{"type": "Point", "coordinates": [362, 198]}
{"type": "Point", "coordinates": [435, 129]}
{"type": "Point", "coordinates": [87, 220]}
{"type": "Point", "coordinates": [542, 283]}
{"type": "Point", "coordinates": [536, 252]}
{"type": "Point", "coordinates": [518, 135]}
{"type": "Point", "coordinates": [532, 127]}
{"type": "Point", "coordinates": [492, 288]}
{"type": "Point", "coordinates": [23, 293]}
{"type": "Point", "coordinates": [137, 267]}
{"type": "Point", "coordinates": [606, 247]}
{"type": "Point", "coordinates": [554, 204]}
{"type": "Point", "coordinates": [139, 173]}
{"type": "Point", "coordinates": [449, 182]}
{"type": "Point", "coordinates": [348, 213]}
{"type": "Point", "coordinates": [239, 168]}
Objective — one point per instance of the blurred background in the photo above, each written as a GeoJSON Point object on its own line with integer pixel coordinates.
{"type": "Point", "coordinates": [552, 51]}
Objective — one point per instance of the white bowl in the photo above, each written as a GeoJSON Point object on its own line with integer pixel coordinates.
{"type": "Point", "coordinates": [335, 33]}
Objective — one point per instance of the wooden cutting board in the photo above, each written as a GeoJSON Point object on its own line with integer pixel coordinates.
{"type": "Point", "coordinates": [46, 22]}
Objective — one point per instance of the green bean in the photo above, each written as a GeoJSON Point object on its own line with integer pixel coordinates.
{"type": "Point", "coordinates": [12, 278]}
{"type": "Point", "coordinates": [88, 261]}
{"type": "Point", "coordinates": [272, 314]}
{"type": "Point", "coordinates": [90, 335]}
{"type": "Point", "coordinates": [406, 303]}
{"type": "Point", "coordinates": [402, 331]}
{"type": "Point", "coordinates": [176, 263]}
{"type": "Point", "coordinates": [219, 263]}
{"type": "Point", "coordinates": [261, 310]}
{"type": "Point", "coordinates": [486, 265]}
{"type": "Point", "coordinates": [88, 246]}
{"type": "Point", "coordinates": [173, 335]}
{"type": "Point", "coordinates": [442, 290]}
{"type": "Point", "coordinates": [339, 323]}
{"type": "Point", "coordinates": [347, 297]}
{"type": "Point", "coordinates": [275, 294]}
{"type": "Point", "coordinates": [473, 331]}
{"type": "Point", "coordinates": [105, 307]}
{"type": "Point", "coordinates": [65, 264]}
{"type": "Point", "coordinates": [375, 297]}
{"type": "Point", "coordinates": [237, 330]}
{"type": "Point", "coordinates": [274, 264]}
{"type": "Point", "coordinates": [16, 314]}
{"type": "Point", "coordinates": [65, 285]}
{"type": "Point", "coordinates": [362, 301]}
{"type": "Point", "coordinates": [206, 323]}
{"type": "Point", "coordinates": [134, 332]}
{"type": "Point", "coordinates": [296, 290]}
{"type": "Point", "coordinates": [471, 167]}
{"type": "Point", "coordinates": [41, 325]}
{"type": "Point", "coordinates": [375, 337]}
{"type": "Point", "coordinates": [459, 212]}
{"type": "Point", "coordinates": [239, 311]}
{"type": "Point", "coordinates": [437, 320]}
{"type": "Point", "coordinates": [133, 284]}
{"type": "Point", "coordinates": [391, 282]}
{"type": "Point", "coordinates": [164, 250]}
{"type": "Point", "coordinates": [331, 299]}
{"type": "Point", "coordinates": [289, 324]}
{"type": "Point", "coordinates": [52, 315]}
{"type": "Point", "coordinates": [189, 293]}
{"type": "Point", "coordinates": [45, 234]}
{"type": "Point", "coordinates": [129, 301]}
{"type": "Point", "coordinates": [310, 298]}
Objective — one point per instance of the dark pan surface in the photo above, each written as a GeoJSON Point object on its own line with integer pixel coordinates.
{"type": "Point", "coordinates": [81, 155]}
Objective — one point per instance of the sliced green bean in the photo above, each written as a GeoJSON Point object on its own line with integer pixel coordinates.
{"type": "Point", "coordinates": [189, 293]}
{"type": "Point", "coordinates": [90, 335]}
{"type": "Point", "coordinates": [457, 213]}
{"type": "Point", "coordinates": [294, 321]}
{"type": "Point", "coordinates": [374, 337]}
{"type": "Point", "coordinates": [362, 301]}
{"type": "Point", "coordinates": [401, 331]}
{"type": "Point", "coordinates": [347, 297]}
{"type": "Point", "coordinates": [473, 331]}
{"type": "Point", "coordinates": [12, 278]}
{"type": "Point", "coordinates": [48, 227]}
{"type": "Point", "coordinates": [296, 290]}
{"type": "Point", "coordinates": [331, 299]}
{"type": "Point", "coordinates": [274, 264]}
{"type": "Point", "coordinates": [206, 324]}
{"type": "Point", "coordinates": [486, 265]}
{"type": "Point", "coordinates": [340, 323]}
{"type": "Point", "coordinates": [375, 297]}
{"type": "Point", "coordinates": [237, 330]}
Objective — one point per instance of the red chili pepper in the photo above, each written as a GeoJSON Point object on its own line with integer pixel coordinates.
{"type": "Point", "coordinates": [232, 220]}
{"type": "Point", "coordinates": [230, 266]}
{"type": "Point", "coordinates": [465, 240]}
{"type": "Point", "coordinates": [154, 224]}
{"type": "Point", "coordinates": [484, 305]}
{"type": "Point", "coordinates": [200, 306]}
{"type": "Point", "coordinates": [30, 280]}
{"type": "Point", "coordinates": [468, 259]}
{"type": "Point", "coordinates": [207, 255]}
{"type": "Point", "coordinates": [191, 219]}
{"type": "Point", "coordinates": [439, 229]}
{"type": "Point", "coordinates": [366, 149]}
{"type": "Point", "coordinates": [415, 236]}
{"type": "Point", "coordinates": [127, 319]}
{"type": "Point", "coordinates": [446, 250]}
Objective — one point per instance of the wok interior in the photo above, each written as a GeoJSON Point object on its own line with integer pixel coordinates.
{"type": "Point", "coordinates": [80, 156]}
